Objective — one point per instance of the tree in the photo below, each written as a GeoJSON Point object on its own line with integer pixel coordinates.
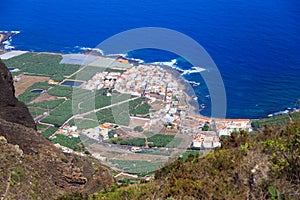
{"type": "Point", "coordinates": [206, 127]}
{"type": "Point", "coordinates": [138, 129]}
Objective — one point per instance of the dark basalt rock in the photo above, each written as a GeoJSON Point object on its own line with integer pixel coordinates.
{"type": "Point", "coordinates": [11, 109]}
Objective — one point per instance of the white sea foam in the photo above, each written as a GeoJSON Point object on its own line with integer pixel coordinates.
{"type": "Point", "coordinates": [9, 47]}
{"type": "Point", "coordinates": [193, 70]}
{"type": "Point", "coordinates": [136, 59]}
{"type": "Point", "coordinates": [173, 65]}
{"type": "Point", "coordinates": [90, 49]}
{"type": "Point", "coordinates": [117, 54]}
{"type": "Point", "coordinates": [193, 83]}
{"type": "Point", "coordinates": [7, 43]}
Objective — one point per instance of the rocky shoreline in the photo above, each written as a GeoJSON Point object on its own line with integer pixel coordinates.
{"type": "Point", "coordinates": [5, 37]}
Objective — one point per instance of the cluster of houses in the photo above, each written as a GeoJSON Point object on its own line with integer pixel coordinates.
{"type": "Point", "coordinates": [101, 80]}
{"type": "Point", "coordinates": [206, 140]}
{"type": "Point", "coordinates": [156, 83]}
{"type": "Point", "coordinates": [99, 133]}
{"type": "Point", "coordinates": [70, 131]}
{"type": "Point", "coordinates": [227, 126]}
{"type": "Point", "coordinates": [145, 79]}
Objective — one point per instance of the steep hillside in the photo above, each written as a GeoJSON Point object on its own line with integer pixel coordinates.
{"type": "Point", "coordinates": [10, 108]}
{"type": "Point", "coordinates": [31, 167]}
{"type": "Point", "coordinates": [263, 166]}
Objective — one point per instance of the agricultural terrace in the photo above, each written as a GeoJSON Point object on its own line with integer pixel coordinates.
{"type": "Point", "coordinates": [27, 96]}
{"type": "Point", "coordinates": [280, 120]}
{"type": "Point", "coordinates": [89, 71]}
{"type": "Point", "coordinates": [43, 64]}
{"type": "Point", "coordinates": [27, 81]}
{"type": "Point", "coordinates": [157, 140]}
{"type": "Point", "coordinates": [88, 108]}
{"type": "Point", "coordinates": [137, 166]}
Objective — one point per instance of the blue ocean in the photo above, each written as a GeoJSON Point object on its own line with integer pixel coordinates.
{"type": "Point", "coordinates": [255, 44]}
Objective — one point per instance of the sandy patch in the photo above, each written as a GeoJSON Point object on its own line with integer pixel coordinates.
{"type": "Point", "coordinates": [44, 97]}
{"type": "Point", "coordinates": [137, 122]}
{"type": "Point", "coordinates": [27, 81]}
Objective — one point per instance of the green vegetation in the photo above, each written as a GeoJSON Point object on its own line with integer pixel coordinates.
{"type": "Point", "coordinates": [72, 143]}
{"type": "Point", "coordinates": [74, 196]}
{"type": "Point", "coordinates": [261, 166]}
{"type": "Point", "coordinates": [111, 115]}
{"type": "Point", "coordinates": [189, 153]}
{"type": "Point", "coordinates": [42, 64]}
{"type": "Point", "coordinates": [49, 131]}
{"type": "Point", "coordinates": [85, 124]}
{"type": "Point", "coordinates": [16, 176]}
{"type": "Point", "coordinates": [206, 127]}
{"type": "Point", "coordinates": [295, 115]}
{"type": "Point", "coordinates": [37, 111]}
{"type": "Point", "coordinates": [138, 129]}
{"type": "Point", "coordinates": [155, 152]}
{"type": "Point", "coordinates": [41, 126]}
{"type": "Point", "coordinates": [137, 166]}
{"type": "Point", "coordinates": [157, 140]}
{"type": "Point", "coordinates": [88, 72]}
{"type": "Point", "coordinates": [47, 104]}
{"type": "Point", "coordinates": [60, 114]}
{"type": "Point", "coordinates": [139, 107]}
{"type": "Point", "coordinates": [28, 96]}
{"type": "Point", "coordinates": [61, 91]}
{"type": "Point", "coordinates": [279, 120]}
{"type": "Point", "coordinates": [174, 143]}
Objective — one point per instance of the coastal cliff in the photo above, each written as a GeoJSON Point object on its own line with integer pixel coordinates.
{"type": "Point", "coordinates": [11, 109]}
{"type": "Point", "coordinates": [31, 167]}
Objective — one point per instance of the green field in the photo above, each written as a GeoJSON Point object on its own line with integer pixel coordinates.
{"type": "Point", "coordinates": [72, 143]}
{"type": "Point", "coordinates": [137, 166]}
{"type": "Point", "coordinates": [58, 116]}
{"type": "Point", "coordinates": [115, 115]}
{"type": "Point", "coordinates": [85, 124]}
{"type": "Point", "coordinates": [157, 140]}
{"type": "Point", "coordinates": [36, 111]}
{"type": "Point", "coordinates": [41, 126]}
{"type": "Point", "coordinates": [139, 107]}
{"type": "Point", "coordinates": [295, 115]}
{"type": "Point", "coordinates": [61, 91]}
{"type": "Point", "coordinates": [47, 104]}
{"type": "Point", "coordinates": [42, 64]}
{"type": "Point", "coordinates": [28, 96]}
{"type": "Point", "coordinates": [188, 153]}
{"type": "Point", "coordinates": [280, 120]}
{"type": "Point", "coordinates": [49, 131]}
{"type": "Point", "coordinates": [88, 72]}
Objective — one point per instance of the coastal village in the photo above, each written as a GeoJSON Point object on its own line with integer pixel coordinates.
{"type": "Point", "coordinates": [159, 107]}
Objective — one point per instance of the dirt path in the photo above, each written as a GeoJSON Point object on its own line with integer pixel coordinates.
{"type": "Point", "coordinates": [7, 187]}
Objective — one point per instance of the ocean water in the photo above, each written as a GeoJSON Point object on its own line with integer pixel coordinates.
{"type": "Point", "coordinates": [255, 44]}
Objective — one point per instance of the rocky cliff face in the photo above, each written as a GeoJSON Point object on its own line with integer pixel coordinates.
{"type": "Point", "coordinates": [31, 167]}
{"type": "Point", "coordinates": [10, 108]}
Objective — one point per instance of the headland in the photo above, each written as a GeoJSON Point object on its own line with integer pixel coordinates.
{"type": "Point", "coordinates": [5, 37]}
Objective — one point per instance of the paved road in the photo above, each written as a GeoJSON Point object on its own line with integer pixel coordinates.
{"type": "Point", "coordinates": [96, 110]}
